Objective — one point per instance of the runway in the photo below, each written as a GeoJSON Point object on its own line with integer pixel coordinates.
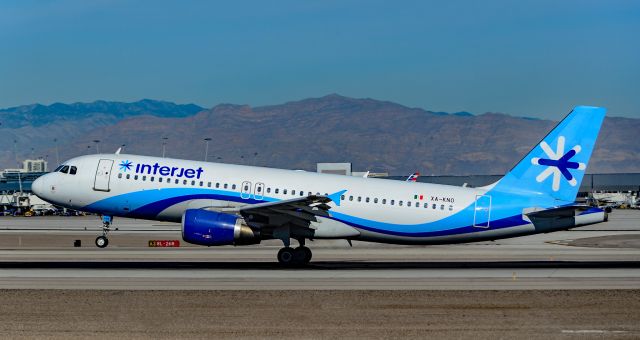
{"type": "Point", "coordinates": [584, 282]}
{"type": "Point", "coordinates": [38, 253]}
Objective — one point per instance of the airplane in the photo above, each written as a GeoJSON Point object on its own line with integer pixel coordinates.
{"type": "Point", "coordinates": [226, 204]}
{"type": "Point", "coordinates": [413, 177]}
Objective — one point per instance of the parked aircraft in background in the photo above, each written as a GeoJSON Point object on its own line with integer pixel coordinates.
{"type": "Point", "coordinates": [413, 177]}
{"type": "Point", "coordinates": [225, 204]}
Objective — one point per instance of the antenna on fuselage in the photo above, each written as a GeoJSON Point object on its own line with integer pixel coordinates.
{"type": "Point", "coordinates": [118, 151]}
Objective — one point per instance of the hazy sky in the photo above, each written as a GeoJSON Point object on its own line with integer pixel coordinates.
{"type": "Point", "coordinates": [535, 58]}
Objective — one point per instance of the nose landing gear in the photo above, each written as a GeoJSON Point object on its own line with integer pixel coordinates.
{"type": "Point", "coordinates": [102, 241]}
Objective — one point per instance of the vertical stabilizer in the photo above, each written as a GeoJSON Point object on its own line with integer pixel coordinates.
{"type": "Point", "coordinates": [555, 166]}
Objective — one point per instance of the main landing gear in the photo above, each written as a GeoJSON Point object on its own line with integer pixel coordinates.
{"type": "Point", "coordinates": [102, 241]}
{"type": "Point", "coordinates": [294, 256]}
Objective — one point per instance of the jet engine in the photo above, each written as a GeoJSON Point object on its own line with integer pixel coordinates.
{"type": "Point", "coordinates": [210, 228]}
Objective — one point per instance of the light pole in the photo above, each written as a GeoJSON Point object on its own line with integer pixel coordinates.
{"type": "Point", "coordinates": [55, 141]}
{"type": "Point", "coordinates": [15, 149]}
{"type": "Point", "coordinates": [97, 141]}
{"type": "Point", "coordinates": [164, 144]}
{"type": "Point", "coordinates": [206, 148]}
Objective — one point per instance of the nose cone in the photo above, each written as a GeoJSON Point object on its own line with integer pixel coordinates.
{"type": "Point", "coordinates": [38, 186]}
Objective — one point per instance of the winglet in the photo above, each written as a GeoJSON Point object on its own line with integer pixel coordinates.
{"type": "Point", "coordinates": [335, 197]}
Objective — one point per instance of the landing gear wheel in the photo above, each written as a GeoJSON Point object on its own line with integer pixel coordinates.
{"type": "Point", "coordinates": [102, 241]}
{"type": "Point", "coordinates": [302, 255]}
{"type": "Point", "coordinates": [286, 256]}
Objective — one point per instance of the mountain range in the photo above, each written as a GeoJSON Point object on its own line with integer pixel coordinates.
{"type": "Point", "coordinates": [373, 135]}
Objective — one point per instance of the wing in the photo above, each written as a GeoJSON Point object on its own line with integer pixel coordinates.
{"type": "Point", "coordinates": [297, 212]}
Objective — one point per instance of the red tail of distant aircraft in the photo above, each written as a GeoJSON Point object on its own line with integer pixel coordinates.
{"type": "Point", "coordinates": [414, 177]}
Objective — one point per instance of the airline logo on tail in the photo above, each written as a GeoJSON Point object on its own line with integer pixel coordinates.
{"type": "Point", "coordinates": [413, 178]}
{"type": "Point", "coordinates": [558, 163]}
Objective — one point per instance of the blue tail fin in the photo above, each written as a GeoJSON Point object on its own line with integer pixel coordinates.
{"type": "Point", "coordinates": [555, 167]}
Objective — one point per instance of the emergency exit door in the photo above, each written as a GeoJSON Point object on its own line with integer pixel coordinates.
{"type": "Point", "coordinates": [103, 175]}
{"type": "Point", "coordinates": [245, 190]}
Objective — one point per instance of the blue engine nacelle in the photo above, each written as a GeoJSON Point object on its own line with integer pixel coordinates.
{"type": "Point", "coordinates": [210, 228]}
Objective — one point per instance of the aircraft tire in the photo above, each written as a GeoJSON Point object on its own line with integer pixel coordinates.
{"type": "Point", "coordinates": [102, 241]}
{"type": "Point", "coordinates": [286, 256]}
{"type": "Point", "coordinates": [303, 255]}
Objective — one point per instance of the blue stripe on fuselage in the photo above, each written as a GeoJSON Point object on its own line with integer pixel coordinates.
{"type": "Point", "coordinates": [149, 203]}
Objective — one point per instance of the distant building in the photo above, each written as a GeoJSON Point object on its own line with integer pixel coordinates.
{"type": "Point", "coordinates": [29, 165]}
{"type": "Point", "coordinates": [346, 169]}
{"type": "Point", "coordinates": [34, 165]}
{"type": "Point", "coordinates": [334, 168]}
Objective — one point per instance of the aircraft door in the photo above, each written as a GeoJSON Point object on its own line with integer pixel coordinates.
{"type": "Point", "coordinates": [245, 190]}
{"type": "Point", "coordinates": [103, 175]}
{"type": "Point", "coordinates": [482, 211]}
{"type": "Point", "coordinates": [258, 191]}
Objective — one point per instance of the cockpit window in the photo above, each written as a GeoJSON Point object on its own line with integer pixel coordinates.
{"type": "Point", "coordinates": [73, 170]}
{"type": "Point", "coordinates": [58, 168]}
{"type": "Point", "coordinates": [65, 169]}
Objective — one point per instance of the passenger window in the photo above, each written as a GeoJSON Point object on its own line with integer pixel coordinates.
{"type": "Point", "coordinates": [193, 182]}
{"type": "Point", "coordinates": [375, 200]}
{"type": "Point", "coordinates": [268, 190]}
{"type": "Point", "coordinates": [73, 170]}
{"type": "Point", "coordinates": [233, 187]}
{"type": "Point", "coordinates": [226, 185]}
{"type": "Point", "coordinates": [359, 199]}
{"type": "Point", "coordinates": [426, 205]}
{"type": "Point", "coordinates": [442, 207]}
{"type": "Point", "coordinates": [259, 190]}
{"type": "Point", "coordinates": [366, 199]}
{"type": "Point", "coordinates": [293, 192]}
{"type": "Point", "coordinates": [152, 178]}
{"type": "Point", "coordinates": [384, 201]}
{"type": "Point", "coordinates": [301, 193]}
{"type": "Point", "coordinates": [144, 178]}
{"type": "Point", "coordinates": [417, 204]}
{"type": "Point", "coordinates": [277, 190]}
{"type": "Point", "coordinates": [450, 207]}
{"type": "Point", "coordinates": [209, 184]}
{"type": "Point", "coordinates": [408, 203]}
{"type": "Point", "coordinates": [310, 193]}
{"type": "Point", "coordinates": [342, 197]}
{"type": "Point", "coordinates": [135, 177]}
{"type": "Point", "coordinates": [160, 179]}
{"type": "Point", "coordinates": [392, 202]}
{"type": "Point", "coordinates": [184, 182]}
{"type": "Point", "coordinates": [350, 198]}
{"type": "Point", "coordinates": [246, 188]}
{"type": "Point", "coordinates": [433, 206]}
{"type": "Point", "coordinates": [284, 191]}
{"type": "Point", "coordinates": [177, 181]}
{"type": "Point", "coordinates": [400, 203]}
{"type": "Point", "coordinates": [65, 169]}
{"type": "Point", "coordinates": [120, 175]}
{"type": "Point", "coordinates": [201, 183]}
{"type": "Point", "coordinates": [128, 176]}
